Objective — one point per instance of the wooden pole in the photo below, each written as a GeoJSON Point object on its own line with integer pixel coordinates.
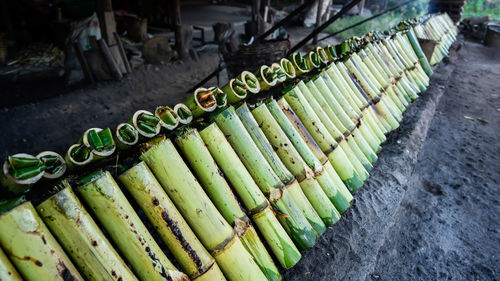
{"type": "Point", "coordinates": [318, 19]}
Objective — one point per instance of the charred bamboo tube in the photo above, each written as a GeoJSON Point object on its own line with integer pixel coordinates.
{"type": "Point", "coordinates": [184, 113]}
{"type": "Point", "coordinates": [173, 229]}
{"type": "Point", "coordinates": [109, 205]}
{"type": "Point", "coordinates": [305, 145]}
{"type": "Point", "coordinates": [203, 100]}
{"type": "Point", "coordinates": [292, 219]}
{"type": "Point", "coordinates": [299, 63]}
{"type": "Point", "coordinates": [296, 165]}
{"type": "Point", "coordinates": [55, 166]}
{"type": "Point", "coordinates": [288, 68]}
{"type": "Point", "coordinates": [126, 136]}
{"type": "Point", "coordinates": [214, 183]}
{"type": "Point", "coordinates": [100, 142]}
{"type": "Point", "coordinates": [203, 217]}
{"type": "Point", "coordinates": [31, 247]}
{"type": "Point", "coordinates": [252, 197]}
{"type": "Point", "coordinates": [19, 172]}
{"type": "Point", "coordinates": [7, 270]}
{"type": "Point", "coordinates": [235, 90]}
{"type": "Point", "coordinates": [250, 81]}
{"type": "Point", "coordinates": [323, 138]}
{"type": "Point", "coordinates": [146, 124]}
{"type": "Point", "coordinates": [266, 77]}
{"type": "Point", "coordinates": [81, 238]}
{"type": "Point", "coordinates": [280, 169]}
{"type": "Point", "coordinates": [169, 119]}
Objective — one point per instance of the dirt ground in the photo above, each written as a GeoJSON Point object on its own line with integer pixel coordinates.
{"type": "Point", "coordinates": [430, 210]}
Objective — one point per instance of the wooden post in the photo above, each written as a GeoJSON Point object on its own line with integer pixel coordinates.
{"type": "Point", "coordinates": [318, 20]}
{"type": "Point", "coordinates": [106, 20]}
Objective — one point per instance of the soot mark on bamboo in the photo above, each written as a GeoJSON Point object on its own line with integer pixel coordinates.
{"type": "Point", "coordinates": [43, 240]}
{"type": "Point", "coordinates": [185, 245]}
{"type": "Point", "coordinates": [157, 262]}
{"type": "Point", "coordinates": [155, 201]}
{"type": "Point", "coordinates": [94, 243]}
{"type": "Point", "coordinates": [64, 272]}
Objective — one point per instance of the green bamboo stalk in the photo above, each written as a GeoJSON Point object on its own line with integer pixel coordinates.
{"type": "Point", "coordinates": [201, 101]}
{"type": "Point", "coordinates": [14, 186]}
{"type": "Point", "coordinates": [55, 166]}
{"type": "Point", "coordinates": [280, 72]}
{"type": "Point", "coordinates": [184, 113]}
{"type": "Point", "coordinates": [203, 217]}
{"type": "Point", "coordinates": [126, 136]}
{"type": "Point", "coordinates": [285, 176]}
{"type": "Point", "coordinates": [162, 213]}
{"type": "Point", "coordinates": [153, 129]}
{"type": "Point", "coordinates": [250, 80]}
{"type": "Point", "coordinates": [324, 112]}
{"type": "Point", "coordinates": [292, 219]}
{"type": "Point", "coordinates": [82, 239]}
{"type": "Point", "coordinates": [263, 78]}
{"type": "Point", "coordinates": [299, 63]}
{"type": "Point", "coordinates": [31, 247]}
{"type": "Point", "coordinates": [288, 68]}
{"type": "Point", "coordinates": [214, 183]}
{"type": "Point", "coordinates": [305, 145]}
{"type": "Point", "coordinates": [168, 117]}
{"type": "Point", "coordinates": [7, 270]}
{"type": "Point", "coordinates": [322, 137]}
{"type": "Point", "coordinates": [233, 95]}
{"type": "Point", "coordinates": [109, 205]}
{"type": "Point", "coordinates": [294, 162]}
{"type": "Point", "coordinates": [252, 197]}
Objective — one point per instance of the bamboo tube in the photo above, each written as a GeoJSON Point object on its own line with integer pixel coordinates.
{"type": "Point", "coordinates": [145, 130]}
{"type": "Point", "coordinates": [55, 166]}
{"type": "Point", "coordinates": [331, 53]}
{"type": "Point", "coordinates": [252, 197]}
{"type": "Point", "coordinates": [126, 136]}
{"type": "Point", "coordinates": [214, 183]}
{"type": "Point", "coordinates": [201, 101]}
{"type": "Point", "coordinates": [81, 237]}
{"type": "Point", "coordinates": [330, 127]}
{"type": "Point", "coordinates": [263, 77]}
{"type": "Point", "coordinates": [278, 70]}
{"type": "Point", "coordinates": [322, 55]}
{"type": "Point", "coordinates": [184, 113]}
{"type": "Point", "coordinates": [209, 225]}
{"type": "Point", "coordinates": [162, 213]}
{"type": "Point", "coordinates": [311, 143]}
{"type": "Point", "coordinates": [232, 95]}
{"type": "Point", "coordinates": [31, 247]}
{"type": "Point", "coordinates": [292, 219]}
{"type": "Point", "coordinates": [328, 145]}
{"type": "Point", "coordinates": [169, 119]}
{"type": "Point", "coordinates": [220, 97]}
{"type": "Point", "coordinates": [34, 172]}
{"type": "Point", "coordinates": [100, 142]}
{"type": "Point", "coordinates": [299, 63]}
{"type": "Point", "coordinates": [288, 68]}
{"type": "Point", "coordinates": [312, 60]}
{"type": "Point", "coordinates": [7, 270]}
{"type": "Point", "coordinates": [305, 145]}
{"type": "Point", "coordinates": [109, 205]}
{"type": "Point", "coordinates": [323, 110]}
{"type": "Point", "coordinates": [75, 163]}
{"type": "Point", "coordinates": [294, 162]}
{"type": "Point", "coordinates": [280, 169]}
{"type": "Point", "coordinates": [250, 80]}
